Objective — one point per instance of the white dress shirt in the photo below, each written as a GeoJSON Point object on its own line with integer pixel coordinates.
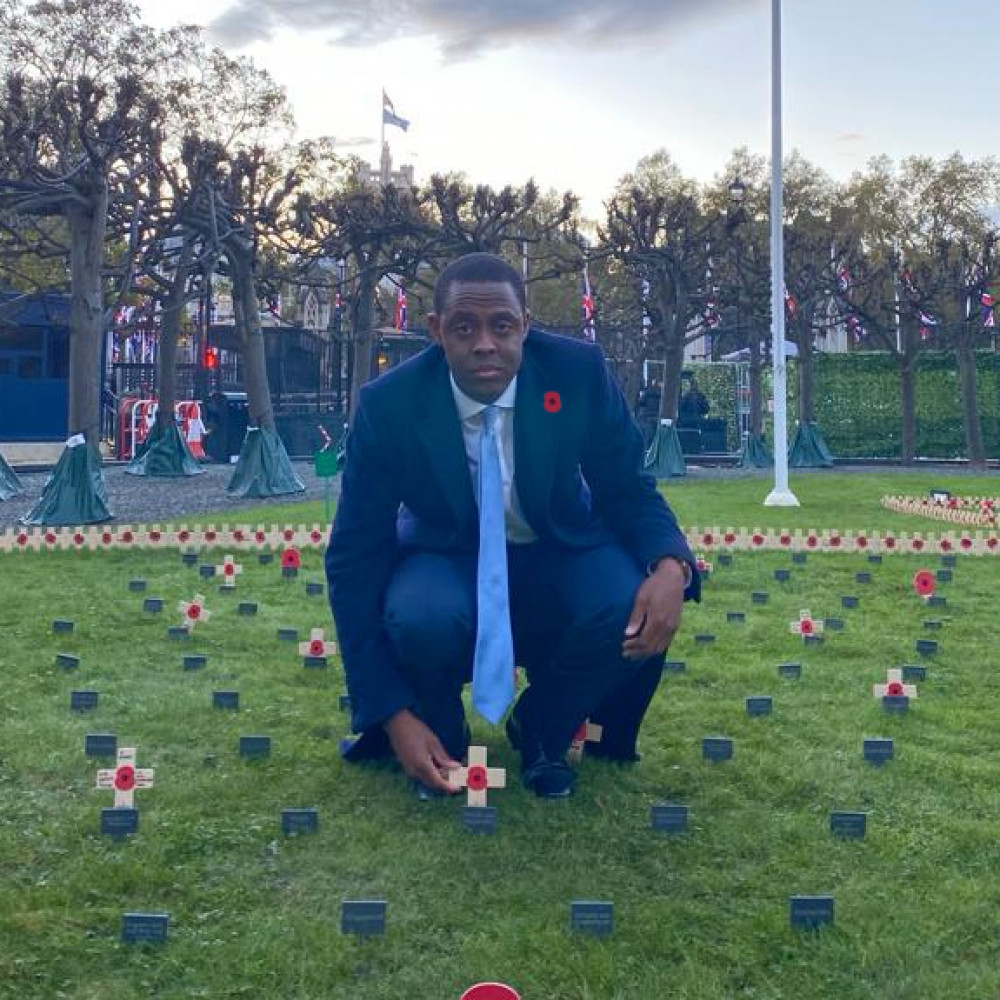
{"type": "Point", "coordinates": [470, 413]}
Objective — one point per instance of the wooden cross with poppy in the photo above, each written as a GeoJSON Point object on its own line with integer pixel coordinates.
{"type": "Point", "coordinates": [229, 570]}
{"type": "Point", "coordinates": [125, 778]}
{"type": "Point", "coordinates": [317, 646]}
{"type": "Point", "coordinates": [894, 686]}
{"type": "Point", "coordinates": [589, 732]}
{"type": "Point", "coordinates": [806, 625]}
{"type": "Point", "coordinates": [476, 777]}
{"type": "Point", "coordinates": [194, 611]}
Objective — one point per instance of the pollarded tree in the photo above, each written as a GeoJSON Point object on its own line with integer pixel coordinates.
{"type": "Point", "coordinates": [657, 227]}
{"type": "Point", "coordinates": [70, 114]}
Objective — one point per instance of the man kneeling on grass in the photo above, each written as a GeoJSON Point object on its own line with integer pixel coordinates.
{"type": "Point", "coordinates": [494, 511]}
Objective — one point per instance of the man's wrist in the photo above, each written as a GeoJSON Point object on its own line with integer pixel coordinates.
{"type": "Point", "coordinates": [685, 567]}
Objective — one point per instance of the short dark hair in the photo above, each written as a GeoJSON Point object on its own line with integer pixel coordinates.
{"type": "Point", "coordinates": [478, 267]}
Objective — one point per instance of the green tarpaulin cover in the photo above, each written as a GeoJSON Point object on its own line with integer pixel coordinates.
{"type": "Point", "coordinates": [756, 454]}
{"type": "Point", "coordinates": [264, 468]}
{"type": "Point", "coordinates": [10, 485]}
{"type": "Point", "coordinates": [164, 453]}
{"type": "Point", "coordinates": [75, 492]}
{"type": "Point", "coordinates": [809, 450]}
{"type": "Point", "coordinates": [664, 458]}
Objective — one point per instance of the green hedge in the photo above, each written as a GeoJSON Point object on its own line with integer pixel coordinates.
{"type": "Point", "coordinates": [858, 405]}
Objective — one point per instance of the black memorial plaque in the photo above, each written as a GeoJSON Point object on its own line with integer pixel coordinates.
{"type": "Point", "coordinates": [759, 704]}
{"type": "Point", "coordinates": [145, 928]}
{"type": "Point", "coordinates": [119, 822]}
{"type": "Point", "coordinates": [195, 662]}
{"type": "Point", "coordinates": [810, 912]}
{"type": "Point", "coordinates": [246, 608]}
{"type": "Point", "coordinates": [136, 586]}
{"type": "Point", "coordinates": [83, 701]}
{"type": "Point", "coordinates": [255, 746]}
{"type": "Point", "coordinates": [878, 750]}
{"type": "Point", "coordinates": [154, 605]}
{"type": "Point", "coordinates": [299, 821]}
{"type": "Point", "coordinates": [849, 825]}
{"type": "Point", "coordinates": [227, 700]}
{"type": "Point", "coordinates": [717, 748]}
{"type": "Point", "coordinates": [791, 671]}
{"type": "Point", "coordinates": [479, 819]}
{"type": "Point", "coordinates": [100, 745]}
{"type": "Point", "coordinates": [363, 917]}
{"type": "Point", "coordinates": [592, 917]}
{"type": "Point", "coordinates": [668, 818]}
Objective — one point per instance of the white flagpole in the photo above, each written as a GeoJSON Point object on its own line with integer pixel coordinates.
{"type": "Point", "coordinates": [781, 495]}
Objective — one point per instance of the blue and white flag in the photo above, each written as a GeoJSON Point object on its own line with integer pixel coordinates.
{"type": "Point", "coordinates": [389, 116]}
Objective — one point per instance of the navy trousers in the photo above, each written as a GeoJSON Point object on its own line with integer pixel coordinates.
{"type": "Point", "coordinates": [569, 608]}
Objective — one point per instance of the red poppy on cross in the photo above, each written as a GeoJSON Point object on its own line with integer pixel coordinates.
{"type": "Point", "coordinates": [229, 570]}
{"type": "Point", "coordinates": [125, 778]}
{"type": "Point", "coordinates": [806, 625]}
{"type": "Point", "coordinates": [924, 583]}
{"type": "Point", "coordinates": [194, 611]}
{"type": "Point", "coordinates": [894, 686]}
{"type": "Point", "coordinates": [476, 777]}
{"type": "Point", "coordinates": [317, 646]}
{"type": "Point", "coordinates": [290, 559]}
{"type": "Point", "coordinates": [589, 732]}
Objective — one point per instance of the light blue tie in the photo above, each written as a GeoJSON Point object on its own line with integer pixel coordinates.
{"type": "Point", "coordinates": [493, 666]}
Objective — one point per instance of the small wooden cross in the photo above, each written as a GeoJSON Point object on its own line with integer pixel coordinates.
{"type": "Point", "coordinates": [125, 778]}
{"type": "Point", "coordinates": [894, 686]}
{"type": "Point", "coordinates": [317, 646]}
{"type": "Point", "coordinates": [476, 778]}
{"type": "Point", "coordinates": [229, 570]}
{"type": "Point", "coordinates": [806, 625]}
{"type": "Point", "coordinates": [589, 732]}
{"type": "Point", "coordinates": [194, 611]}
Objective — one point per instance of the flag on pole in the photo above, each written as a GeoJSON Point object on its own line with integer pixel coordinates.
{"type": "Point", "coordinates": [986, 305]}
{"type": "Point", "coordinates": [927, 324]}
{"type": "Point", "coordinates": [589, 331]}
{"type": "Point", "coordinates": [400, 308]}
{"type": "Point", "coordinates": [389, 116]}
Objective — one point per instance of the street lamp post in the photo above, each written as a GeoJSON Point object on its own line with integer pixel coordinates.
{"type": "Point", "coordinates": [781, 495]}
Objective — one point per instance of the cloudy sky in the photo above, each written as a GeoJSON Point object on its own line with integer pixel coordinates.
{"type": "Point", "coordinates": [574, 92]}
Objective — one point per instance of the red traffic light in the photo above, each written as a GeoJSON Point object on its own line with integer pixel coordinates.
{"type": "Point", "coordinates": [211, 359]}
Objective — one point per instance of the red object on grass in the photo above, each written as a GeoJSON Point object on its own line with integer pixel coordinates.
{"type": "Point", "coordinates": [290, 559]}
{"type": "Point", "coordinates": [125, 778]}
{"type": "Point", "coordinates": [490, 991]}
{"type": "Point", "coordinates": [477, 779]}
{"type": "Point", "coordinates": [894, 688]}
{"type": "Point", "coordinates": [924, 582]}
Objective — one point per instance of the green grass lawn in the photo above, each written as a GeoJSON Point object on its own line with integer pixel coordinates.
{"type": "Point", "coordinates": [700, 915]}
{"type": "Point", "coordinates": [827, 499]}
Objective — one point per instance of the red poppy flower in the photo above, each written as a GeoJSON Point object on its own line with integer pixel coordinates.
{"type": "Point", "coordinates": [917, 544]}
{"type": "Point", "coordinates": [259, 536]}
{"type": "Point", "coordinates": [128, 537]}
{"type": "Point", "coordinates": [154, 536]}
{"type": "Point", "coordinates": [889, 542]}
{"type": "Point", "coordinates": [758, 539]}
{"type": "Point", "coordinates": [316, 647]}
{"type": "Point", "coordinates": [945, 545]}
{"type": "Point", "coordinates": [894, 688]}
{"type": "Point", "coordinates": [806, 626]}
{"type": "Point", "coordinates": [785, 539]}
{"type": "Point", "coordinates": [49, 537]}
{"type": "Point", "coordinates": [288, 534]}
{"type": "Point", "coordinates": [315, 537]}
{"type": "Point", "coordinates": [730, 538]}
{"type": "Point", "coordinates": [193, 612]}
{"type": "Point", "coordinates": [835, 541]}
{"type": "Point", "coordinates": [125, 778]}
{"type": "Point", "coordinates": [210, 536]}
{"type": "Point", "coordinates": [238, 535]}
{"type": "Point", "coordinates": [552, 402]}
{"type": "Point", "coordinates": [812, 541]}
{"type": "Point", "coordinates": [476, 778]}
{"type": "Point", "coordinates": [22, 539]}
{"type": "Point", "coordinates": [290, 559]}
{"type": "Point", "coordinates": [966, 543]}
{"type": "Point", "coordinates": [78, 539]}
{"type": "Point", "coordinates": [924, 582]}
{"type": "Point", "coordinates": [707, 538]}
{"type": "Point", "coordinates": [992, 542]}
{"type": "Point", "coordinates": [861, 542]}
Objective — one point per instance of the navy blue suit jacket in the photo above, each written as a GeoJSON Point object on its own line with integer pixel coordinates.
{"type": "Point", "coordinates": [406, 485]}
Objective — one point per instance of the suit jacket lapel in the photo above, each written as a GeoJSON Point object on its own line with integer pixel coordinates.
{"type": "Point", "coordinates": [536, 442]}
{"type": "Point", "coordinates": [440, 433]}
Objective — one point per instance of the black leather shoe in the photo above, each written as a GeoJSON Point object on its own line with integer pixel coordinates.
{"type": "Point", "coordinates": [549, 779]}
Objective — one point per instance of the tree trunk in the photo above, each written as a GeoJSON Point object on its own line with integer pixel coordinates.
{"type": "Point", "coordinates": [673, 365]}
{"type": "Point", "coordinates": [88, 228]}
{"type": "Point", "coordinates": [966, 357]}
{"type": "Point", "coordinates": [908, 397]}
{"type": "Point", "coordinates": [806, 385]}
{"type": "Point", "coordinates": [247, 315]}
{"type": "Point", "coordinates": [170, 328]}
{"type": "Point", "coordinates": [363, 334]}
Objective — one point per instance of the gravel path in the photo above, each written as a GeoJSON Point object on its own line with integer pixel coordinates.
{"type": "Point", "coordinates": [138, 499]}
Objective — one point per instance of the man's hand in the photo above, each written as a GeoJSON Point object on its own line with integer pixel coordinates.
{"type": "Point", "coordinates": [420, 751]}
{"type": "Point", "coordinates": [656, 614]}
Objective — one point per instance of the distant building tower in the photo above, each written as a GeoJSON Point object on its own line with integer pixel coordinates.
{"type": "Point", "coordinates": [385, 175]}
